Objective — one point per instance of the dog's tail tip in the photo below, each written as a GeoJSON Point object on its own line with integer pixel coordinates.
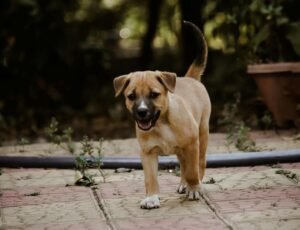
{"type": "Point", "coordinates": [197, 68]}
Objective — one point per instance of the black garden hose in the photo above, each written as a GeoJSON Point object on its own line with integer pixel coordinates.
{"type": "Point", "coordinates": [166, 162]}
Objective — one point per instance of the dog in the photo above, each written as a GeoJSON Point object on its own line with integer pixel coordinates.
{"type": "Point", "coordinates": [172, 116]}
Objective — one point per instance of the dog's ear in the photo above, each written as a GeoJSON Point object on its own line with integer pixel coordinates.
{"type": "Point", "coordinates": [167, 79]}
{"type": "Point", "coordinates": [120, 84]}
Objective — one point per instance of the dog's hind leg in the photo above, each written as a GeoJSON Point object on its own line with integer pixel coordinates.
{"type": "Point", "coordinates": [182, 186]}
{"type": "Point", "coordinates": [203, 141]}
{"type": "Point", "coordinates": [191, 170]}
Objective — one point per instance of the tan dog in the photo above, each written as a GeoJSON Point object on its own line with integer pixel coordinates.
{"type": "Point", "coordinates": [172, 116]}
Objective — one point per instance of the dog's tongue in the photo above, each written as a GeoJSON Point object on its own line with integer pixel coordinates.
{"type": "Point", "coordinates": [144, 125]}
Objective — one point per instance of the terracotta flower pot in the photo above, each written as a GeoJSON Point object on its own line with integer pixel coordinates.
{"type": "Point", "coordinates": [279, 85]}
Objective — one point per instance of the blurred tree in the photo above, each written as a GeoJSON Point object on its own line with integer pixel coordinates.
{"type": "Point", "coordinates": [190, 11]}
{"type": "Point", "coordinates": [59, 57]}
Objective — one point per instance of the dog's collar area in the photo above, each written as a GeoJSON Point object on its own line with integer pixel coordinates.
{"type": "Point", "coordinates": [147, 125]}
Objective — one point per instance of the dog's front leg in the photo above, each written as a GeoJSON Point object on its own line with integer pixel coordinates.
{"type": "Point", "coordinates": [150, 167]}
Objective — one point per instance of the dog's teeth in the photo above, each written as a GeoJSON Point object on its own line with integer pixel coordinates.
{"type": "Point", "coordinates": [144, 125]}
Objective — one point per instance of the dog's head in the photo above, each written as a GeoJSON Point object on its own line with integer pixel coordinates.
{"type": "Point", "coordinates": [146, 95]}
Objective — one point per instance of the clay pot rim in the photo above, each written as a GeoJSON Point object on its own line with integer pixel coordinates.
{"type": "Point", "coordinates": [279, 67]}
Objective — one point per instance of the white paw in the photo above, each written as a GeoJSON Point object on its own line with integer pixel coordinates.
{"type": "Point", "coordinates": [181, 189]}
{"type": "Point", "coordinates": [150, 202]}
{"type": "Point", "coordinates": [193, 192]}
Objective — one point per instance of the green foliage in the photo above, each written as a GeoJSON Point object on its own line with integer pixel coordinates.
{"type": "Point", "coordinates": [237, 132]}
{"type": "Point", "coordinates": [293, 35]}
{"type": "Point", "coordinates": [210, 181]}
{"type": "Point", "coordinates": [288, 174]}
{"type": "Point", "coordinates": [239, 135]}
{"type": "Point", "coordinates": [22, 142]}
{"type": "Point", "coordinates": [267, 120]}
{"type": "Point", "coordinates": [86, 160]}
{"type": "Point", "coordinates": [258, 30]}
{"type": "Point", "coordinates": [62, 138]}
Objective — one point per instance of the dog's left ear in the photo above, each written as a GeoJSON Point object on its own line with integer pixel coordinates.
{"type": "Point", "coordinates": [167, 79]}
{"type": "Point", "coordinates": [120, 83]}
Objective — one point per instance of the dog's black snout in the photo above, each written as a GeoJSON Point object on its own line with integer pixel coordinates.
{"type": "Point", "coordinates": [142, 112]}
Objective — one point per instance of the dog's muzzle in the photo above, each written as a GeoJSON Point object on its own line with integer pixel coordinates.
{"type": "Point", "coordinates": [146, 119]}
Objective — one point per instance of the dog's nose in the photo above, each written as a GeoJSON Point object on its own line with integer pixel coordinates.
{"type": "Point", "coordinates": [142, 112]}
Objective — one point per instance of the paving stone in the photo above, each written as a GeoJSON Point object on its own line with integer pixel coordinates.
{"type": "Point", "coordinates": [36, 178]}
{"type": "Point", "coordinates": [14, 198]}
{"type": "Point", "coordinates": [51, 213]}
{"type": "Point", "coordinates": [170, 206]}
{"type": "Point", "coordinates": [258, 205]}
{"type": "Point", "coordinates": [233, 170]}
{"type": "Point", "coordinates": [122, 189]}
{"type": "Point", "coordinates": [245, 180]}
{"type": "Point", "coordinates": [265, 194]}
{"type": "Point", "coordinates": [291, 224]}
{"type": "Point", "coordinates": [74, 225]}
{"type": "Point", "coordinates": [20, 191]}
{"type": "Point", "coordinates": [47, 181]}
{"type": "Point", "coordinates": [266, 215]}
{"type": "Point", "coordinates": [116, 188]}
{"type": "Point", "coordinates": [20, 174]}
{"type": "Point", "coordinates": [1, 223]}
{"type": "Point", "coordinates": [132, 176]}
{"type": "Point", "coordinates": [41, 178]}
{"type": "Point", "coordinates": [256, 199]}
{"type": "Point", "coordinates": [295, 165]}
{"type": "Point", "coordinates": [191, 222]}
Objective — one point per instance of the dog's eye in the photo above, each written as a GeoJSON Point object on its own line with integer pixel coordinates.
{"type": "Point", "coordinates": [154, 95]}
{"type": "Point", "coordinates": [131, 96]}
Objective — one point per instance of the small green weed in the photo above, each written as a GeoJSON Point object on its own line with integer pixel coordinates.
{"type": "Point", "coordinates": [86, 160]}
{"type": "Point", "coordinates": [62, 138]}
{"type": "Point", "coordinates": [210, 181]}
{"type": "Point", "coordinates": [288, 174]}
{"type": "Point", "coordinates": [267, 120]}
{"type": "Point", "coordinates": [22, 142]}
{"type": "Point", "coordinates": [239, 135]}
{"type": "Point", "coordinates": [237, 132]}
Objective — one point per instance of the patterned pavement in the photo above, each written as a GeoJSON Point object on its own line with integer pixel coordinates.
{"type": "Point", "coordinates": [259, 197]}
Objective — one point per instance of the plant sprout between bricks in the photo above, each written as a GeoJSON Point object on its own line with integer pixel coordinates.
{"type": "Point", "coordinates": [85, 159]}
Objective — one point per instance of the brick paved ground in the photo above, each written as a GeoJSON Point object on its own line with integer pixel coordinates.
{"type": "Point", "coordinates": [241, 198]}
{"type": "Point", "coordinates": [261, 197]}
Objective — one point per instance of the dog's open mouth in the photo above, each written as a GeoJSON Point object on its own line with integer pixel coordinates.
{"type": "Point", "coordinates": [146, 125]}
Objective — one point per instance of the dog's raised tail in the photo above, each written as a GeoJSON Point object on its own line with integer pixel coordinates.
{"type": "Point", "coordinates": [197, 68]}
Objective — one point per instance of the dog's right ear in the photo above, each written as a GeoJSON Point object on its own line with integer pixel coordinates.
{"type": "Point", "coordinates": [120, 83]}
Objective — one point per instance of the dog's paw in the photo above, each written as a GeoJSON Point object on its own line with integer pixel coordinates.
{"type": "Point", "coordinates": [150, 202]}
{"type": "Point", "coordinates": [193, 192]}
{"type": "Point", "coordinates": [181, 189]}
